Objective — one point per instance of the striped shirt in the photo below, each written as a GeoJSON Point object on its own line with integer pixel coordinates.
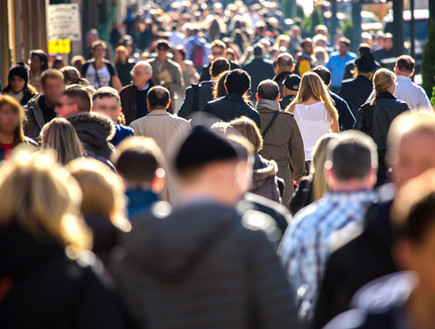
{"type": "Point", "coordinates": [306, 245]}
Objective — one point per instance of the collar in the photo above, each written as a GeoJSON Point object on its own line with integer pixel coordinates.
{"type": "Point", "coordinates": [363, 195]}
{"type": "Point", "coordinates": [403, 77]}
{"type": "Point", "coordinates": [158, 112]}
{"type": "Point", "coordinates": [235, 98]}
{"type": "Point", "coordinates": [385, 94]}
{"type": "Point", "coordinates": [145, 88]}
{"type": "Point", "coordinates": [268, 103]}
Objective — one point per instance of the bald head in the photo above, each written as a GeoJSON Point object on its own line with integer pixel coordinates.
{"type": "Point", "coordinates": [284, 63]}
{"type": "Point", "coordinates": [158, 98]}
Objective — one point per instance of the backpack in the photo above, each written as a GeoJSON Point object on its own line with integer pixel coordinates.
{"type": "Point", "coordinates": [197, 55]}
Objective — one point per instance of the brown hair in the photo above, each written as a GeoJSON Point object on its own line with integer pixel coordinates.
{"type": "Point", "coordinates": [51, 74]}
{"type": "Point", "coordinates": [19, 133]}
{"type": "Point", "coordinates": [405, 63]}
{"type": "Point", "coordinates": [248, 129]}
{"type": "Point", "coordinates": [80, 96]}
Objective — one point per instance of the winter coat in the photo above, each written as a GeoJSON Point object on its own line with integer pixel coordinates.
{"type": "Point", "coordinates": [381, 304]}
{"type": "Point", "coordinates": [361, 260]}
{"type": "Point", "coordinates": [203, 266]}
{"type": "Point", "coordinates": [231, 107]}
{"type": "Point", "coordinates": [128, 101]}
{"type": "Point", "coordinates": [94, 131]}
{"type": "Point", "coordinates": [205, 95]}
{"type": "Point", "coordinates": [375, 119]}
{"type": "Point", "coordinates": [282, 143]}
{"type": "Point", "coordinates": [346, 118]}
{"type": "Point", "coordinates": [353, 98]}
{"type": "Point", "coordinates": [34, 118]}
{"type": "Point", "coordinates": [279, 79]}
{"type": "Point", "coordinates": [42, 288]}
{"type": "Point", "coordinates": [264, 180]}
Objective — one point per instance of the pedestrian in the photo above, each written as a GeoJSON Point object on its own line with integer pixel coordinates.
{"type": "Point", "coordinates": [98, 70]}
{"type": "Point", "coordinates": [284, 67]}
{"type": "Point", "coordinates": [386, 50]}
{"type": "Point", "coordinates": [282, 141]}
{"type": "Point", "coordinates": [139, 162]}
{"type": "Point", "coordinates": [103, 205]}
{"type": "Point", "coordinates": [18, 85]}
{"type": "Point", "coordinates": [165, 128]}
{"type": "Point", "coordinates": [368, 255]}
{"type": "Point", "coordinates": [304, 58]}
{"type": "Point", "coordinates": [123, 65]}
{"type": "Point", "coordinates": [337, 63]}
{"type": "Point", "coordinates": [107, 102]}
{"type": "Point", "coordinates": [59, 135]}
{"type": "Point", "coordinates": [38, 62]}
{"type": "Point", "coordinates": [232, 106]}
{"type": "Point", "coordinates": [365, 68]}
{"type": "Point", "coordinates": [314, 112]}
{"type": "Point", "coordinates": [290, 90]}
{"type": "Point", "coordinates": [408, 91]}
{"type": "Point", "coordinates": [375, 118]}
{"type": "Point", "coordinates": [264, 179]}
{"type": "Point", "coordinates": [351, 164]}
{"type": "Point", "coordinates": [133, 96]}
{"type": "Point", "coordinates": [349, 71]}
{"type": "Point", "coordinates": [198, 95]}
{"type": "Point", "coordinates": [376, 305]}
{"type": "Point", "coordinates": [45, 249]}
{"type": "Point", "coordinates": [200, 266]}
{"type": "Point", "coordinates": [71, 76]}
{"type": "Point", "coordinates": [11, 127]}
{"type": "Point", "coordinates": [346, 118]}
{"type": "Point", "coordinates": [40, 109]}
{"type": "Point", "coordinates": [188, 70]}
{"type": "Point", "coordinates": [218, 50]}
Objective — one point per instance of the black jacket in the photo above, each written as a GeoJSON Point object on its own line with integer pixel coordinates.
{"type": "Point", "coordinates": [205, 75]}
{"type": "Point", "coordinates": [231, 107]}
{"type": "Point", "coordinates": [375, 119]}
{"type": "Point", "coordinates": [203, 266]}
{"type": "Point", "coordinates": [44, 289]}
{"type": "Point", "coordinates": [279, 79]}
{"type": "Point", "coordinates": [259, 69]}
{"type": "Point", "coordinates": [204, 94]}
{"type": "Point", "coordinates": [356, 92]}
{"type": "Point", "coordinates": [285, 101]}
{"type": "Point", "coordinates": [94, 131]}
{"type": "Point", "coordinates": [381, 304]}
{"type": "Point", "coordinates": [346, 119]}
{"type": "Point", "coordinates": [363, 259]}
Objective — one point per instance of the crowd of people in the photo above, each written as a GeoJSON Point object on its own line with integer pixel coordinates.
{"type": "Point", "coordinates": [221, 172]}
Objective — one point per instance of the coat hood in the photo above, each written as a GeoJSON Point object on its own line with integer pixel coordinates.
{"type": "Point", "coordinates": [170, 248]}
{"type": "Point", "coordinates": [263, 169]}
{"type": "Point", "coordinates": [93, 128]}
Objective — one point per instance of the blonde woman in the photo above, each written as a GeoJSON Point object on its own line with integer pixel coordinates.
{"type": "Point", "coordinates": [11, 126]}
{"type": "Point", "coordinates": [48, 277]}
{"type": "Point", "coordinates": [314, 112]}
{"type": "Point", "coordinates": [60, 135]}
{"type": "Point", "coordinates": [314, 186]}
{"type": "Point", "coordinates": [103, 205]}
{"type": "Point", "coordinates": [375, 118]}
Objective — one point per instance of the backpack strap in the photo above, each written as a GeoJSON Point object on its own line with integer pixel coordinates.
{"type": "Point", "coordinates": [97, 77]}
{"type": "Point", "coordinates": [195, 88]}
{"type": "Point", "coordinates": [275, 115]}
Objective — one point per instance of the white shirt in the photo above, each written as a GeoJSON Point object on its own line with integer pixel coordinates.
{"type": "Point", "coordinates": [103, 75]}
{"type": "Point", "coordinates": [313, 122]}
{"type": "Point", "coordinates": [412, 94]}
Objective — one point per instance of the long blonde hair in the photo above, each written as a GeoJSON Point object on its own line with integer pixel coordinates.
{"type": "Point", "coordinates": [313, 86]}
{"type": "Point", "coordinates": [103, 191]}
{"type": "Point", "coordinates": [383, 80]}
{"type": "Point", "coordinates": [40, 196]}
{"type": "Point", "coordinates": [317, 170]}
{"type": "Point", "coordinates": [61, 136]}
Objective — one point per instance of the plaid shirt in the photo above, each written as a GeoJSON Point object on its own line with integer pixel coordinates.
{"type": "Point", "coordinates": [306, 246]}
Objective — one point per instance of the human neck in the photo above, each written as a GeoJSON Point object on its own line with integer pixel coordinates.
{"type": "Point", "coordinates": [421, 309]}
{"type": "Point", "coordinates": [403, 74]}
{"type": "Point", "coordinates": [201, 192]}
{"type": "Point", "coordinates": [352, 185]}
{"type": "Point", "coordinates": [49, 103]}
{"type": "Point", "coordinates": [36, 72]}
{"type": "Point", "coordinates": [343, 55]}
{"type": "Point", "coordinates": [6, 139]}
{"type": "Point", "coordinates": [98, 60]}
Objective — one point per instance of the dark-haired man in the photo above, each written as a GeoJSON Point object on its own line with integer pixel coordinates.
{"type": "Point", "coordinates": [218, 50]}
{"type": "Point", "coordinates": [258, 68]}
{"type": "Point", "coordinates": [139, 161]}
{"type": "Point", "coordinates": [40, 109]}
{"type": "Point", "coordinates": [363, 48]}
{"type": "Point", "coordinates": [350, 166]}
{"type": "Point", "coordinates": [337, 63]}
{"type": "Point", "coordinates": [408, 91]}
{"type": "Point", "coordinates": [290, 90]}
{"type": "Point", "coordinates": [74, 99]}
{"type": "Point", "coordinates": [233, 106]}
{"type": "Point", "coordinates": [205, 264]}
{"type": "Point", "coordinates": [346, 119]}
{"type": "Point", "coordinates": [198, 95]}
{"type": "Point", "coordinates": [282, 139]}
{"type": "Point", "coordinates": [165, 128]}
{"type": "Point", "coordinates": [284, 67]}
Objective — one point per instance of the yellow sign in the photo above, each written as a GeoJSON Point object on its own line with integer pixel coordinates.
{"type": "Point", "coordinates": [59, 46]}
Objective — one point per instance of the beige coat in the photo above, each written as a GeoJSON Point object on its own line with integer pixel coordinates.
{"type": "Point", "coordinates": [173, 70]}
{"type": "Point", "coordinates": [282, 143]}
{"type": "Point", "coordinates": [168, 131]}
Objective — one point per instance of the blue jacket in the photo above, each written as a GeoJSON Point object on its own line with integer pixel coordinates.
{"type": "Point", "coordinates": [122, 132]}
{"type": "Point", "coordinates": [140, 201]}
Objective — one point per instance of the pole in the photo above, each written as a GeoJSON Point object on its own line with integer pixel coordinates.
{"type": "Point", "coordinates": [398, 27]}
{"type": "Point", "coordinates": [356, 19]}
{"type": "Point", "coordinates": [334, 20]}
{"type": "Point", "coordinates": [412, 39]}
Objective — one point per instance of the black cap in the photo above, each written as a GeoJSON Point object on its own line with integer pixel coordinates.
{"type": "Point", "coordinates": [292, 82]}
{"type": "Point", "coordinates": [20, 70]}
{"type": "Point", "coordinates": [203, 146]}
{"type": "Point", "coordinates": [366, 63]}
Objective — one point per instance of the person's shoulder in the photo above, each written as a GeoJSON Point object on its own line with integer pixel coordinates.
{"type": "Point", "coordinates": [172, 63]}
{"type": "Point", "coordinates": [138, 122]}
{"type": "Point", "coordinates": [126, 88]}
{"type": "Point", "coordinates": [336, 97]}
{"type": "Point", "coordinates": [126, 129]}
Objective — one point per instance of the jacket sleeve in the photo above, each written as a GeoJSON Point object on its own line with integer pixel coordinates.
{"type": "Point", "coordinates": [178, 84]}
{"type": "Point", "coordinates": [296, 151]}
{"type": "Point", "coordinates": [360, 120]}
{"type": "Point", "coordinates": [271, 303]}
{"type": "Point", "coordinates": [346, 118]}
{"type": "Point", "coordinates": [186, 107]}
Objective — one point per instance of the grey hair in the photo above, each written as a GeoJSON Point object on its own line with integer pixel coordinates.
{"type": "Point", "coordinates": [147, 65]}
